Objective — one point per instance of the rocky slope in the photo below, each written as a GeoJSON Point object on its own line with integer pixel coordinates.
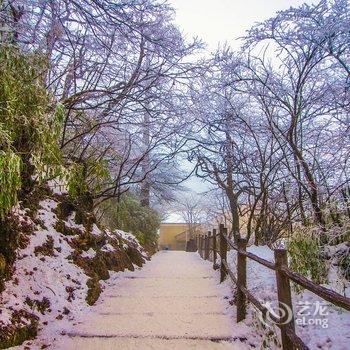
{"type": "Point", "coordinates": [61, 259]}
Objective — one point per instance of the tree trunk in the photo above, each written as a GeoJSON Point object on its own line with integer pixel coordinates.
{"type": "Point", "coordinates": [289, 214]}
{"type": "Point", "coordinates": [313, 189]}
{"type": "Point", "coordinates": [145, 184]}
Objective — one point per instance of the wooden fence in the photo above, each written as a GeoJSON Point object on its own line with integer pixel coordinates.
{"type": "Point", "coordinates": [208, 247]}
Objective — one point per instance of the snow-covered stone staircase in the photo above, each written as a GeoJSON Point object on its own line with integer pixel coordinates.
{"type": "Point", "coordinates": [173, 302]}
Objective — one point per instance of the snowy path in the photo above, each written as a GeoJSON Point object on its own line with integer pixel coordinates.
{"type": "Point", "coordinates": [173, 302]}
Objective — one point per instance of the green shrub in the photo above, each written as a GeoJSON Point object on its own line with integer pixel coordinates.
{"type": "Point", "coordinates": [10, 180]}
{"type": "Point", "coordinates": [29, 128]}
{"type": "Point", "coordinates": [306, 257]}
{"type": "Point", "coordinates": [344, 264]}
{"type": "Point", "coordinates": [24, 326]}
{"type": "Point", "coordinates": [88, 176]}
{"type": "Point", "coordinates": [76, 183]}
{"type": "Point", "coordinates": [129, 215]}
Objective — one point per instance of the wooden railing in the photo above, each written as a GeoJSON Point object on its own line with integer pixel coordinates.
{"type": "Point", "coordinates": [207, 245]}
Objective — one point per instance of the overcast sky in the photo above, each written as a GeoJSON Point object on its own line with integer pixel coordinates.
{"type": "Point", "coordinates": [220, 21]}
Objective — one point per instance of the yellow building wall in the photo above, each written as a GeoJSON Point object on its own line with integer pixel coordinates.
{"type": "Point", "coordinates": [167, 233]}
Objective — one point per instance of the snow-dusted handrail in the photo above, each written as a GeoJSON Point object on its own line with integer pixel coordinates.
{"type": "Point", "coordinates": [323, 292]}
{"type": "Point", "coordinates": [207, 244]}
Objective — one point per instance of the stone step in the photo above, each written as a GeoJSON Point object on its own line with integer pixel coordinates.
{"type": "Point", "coordinates": [77, 343]}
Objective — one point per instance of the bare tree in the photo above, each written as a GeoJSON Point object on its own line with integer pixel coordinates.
{"type": "Point", "coordinates": [191, 209]}
{"type": "Point", "coordinates": [120, 71]}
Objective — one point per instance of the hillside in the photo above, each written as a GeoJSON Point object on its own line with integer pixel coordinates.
{"type": "Point", "coordinates": [59, 267]}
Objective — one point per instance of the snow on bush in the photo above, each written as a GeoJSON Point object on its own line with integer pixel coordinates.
{"type": "Point", "coordinates": [58, 186]}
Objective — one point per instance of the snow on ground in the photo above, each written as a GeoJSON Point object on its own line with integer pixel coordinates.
{"type": "Point", "coordinates": [125, 235]}
{"type": "Point", "coordinates": [41, 277]}
{"type": "Point", "coordinates": [261, 281]}
{"type": "Point", "coordinates": [50, 280]}
{"type": "Point", "coordinates": [70, 223]}
{"type": "Point", "coordinates": [131, 239]}
{"type": "Point", "coordinates": [89, 254]}
{"type": "Point", "coordinates": [174, 302]}
{"type": "Point", "coordinates": [58, 186]}
{"type": "Point", "coordinates": [96, 231]}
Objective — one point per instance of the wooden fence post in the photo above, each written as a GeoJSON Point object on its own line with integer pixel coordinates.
{"type": "Point", "coordinates": [223, 252]}
{"type": "Point", "coordinates": [214, 248]}
{"type": "Point", "coordinates": [201, 246]}
{"type": "Point", "coordinates": [206, 246]}
{"type": "Point", "coordinates": [284, 298]}
{"type": "Point", "coordinates": [241, 279]}
{"type": "Point", "coordinates": [210, 245]}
